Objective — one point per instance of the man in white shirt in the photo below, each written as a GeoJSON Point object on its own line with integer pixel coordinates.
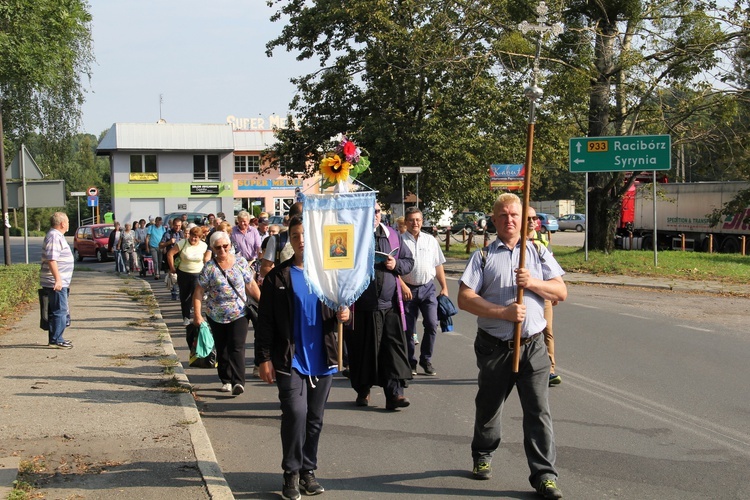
{"type": "Point", "coordinates": [419, 289]}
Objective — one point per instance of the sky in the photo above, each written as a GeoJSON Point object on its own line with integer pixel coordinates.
{"type": "Point", "coordinates": [205, 58]}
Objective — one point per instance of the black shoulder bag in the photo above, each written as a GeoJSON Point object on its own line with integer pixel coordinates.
{"type": "Point", "coordinates": [251, 307]}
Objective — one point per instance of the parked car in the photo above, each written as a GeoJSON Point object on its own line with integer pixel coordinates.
{"type": "Point", "coordinates": [548, 222]}
{"type": "Point", "coordinates": [194, 217]}
{"type": "Point", "coordinates": [473, 222]}
{"type": "Point", "coordinates": [91, 241]}
{"type": "Point", "coordinates": [572, 221]}
{"type": "Point", "coordinates": [276, 219]}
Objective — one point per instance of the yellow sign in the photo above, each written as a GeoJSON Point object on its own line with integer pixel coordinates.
{"type": "Point", "coordinates": [338, 242]}
{"type": "Point", "coordinates": [144, 176]}
{"type": "Point", "coordinates": [598, 146]}
{"type": "Point", "coordinates": [510, 185]}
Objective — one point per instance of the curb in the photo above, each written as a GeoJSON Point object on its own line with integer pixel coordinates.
{"type": "Point", "coordinates": [213, 477]}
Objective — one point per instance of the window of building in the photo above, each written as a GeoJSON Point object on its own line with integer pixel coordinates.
{"type": "Point", "coordinates": [142, 164]}
{"type": "Point", "coordinates": [249, 164]}
{"type": "Point", "coordinates": [206, 168]}
{"type": "Point", "coordinates": [143, 168]}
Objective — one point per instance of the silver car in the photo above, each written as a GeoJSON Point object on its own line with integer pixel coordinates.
{"type": "Point", "coordinates": [572, 221]}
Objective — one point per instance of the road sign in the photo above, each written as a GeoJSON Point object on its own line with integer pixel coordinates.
{"type": "Point", "coordinates": [77, 193]}
{"type": "Point", "coordinates": [92, 191]}
{"type": "Point", "coordinates": [506, 171]}
{"type": "Point", "coordinates": [93, 201]}
{"type": "Point", "coordinates": [628, 153]}
{"type": "Point", "coordinates": [411, 170]}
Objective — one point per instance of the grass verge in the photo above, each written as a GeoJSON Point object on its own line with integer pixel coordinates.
{"type": "Point", "coordinates": [18, 286]}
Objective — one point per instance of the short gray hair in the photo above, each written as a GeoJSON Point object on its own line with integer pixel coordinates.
{"type": "Point", "coordinates": [219, 236]}
{"type": "Point", "coordinates": [57, 218]}
{"type": "Point", "coordinates": [244, 214]}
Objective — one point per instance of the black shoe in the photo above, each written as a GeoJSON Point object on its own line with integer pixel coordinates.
{"type": "Point", "coordinates": [290, 489]}
{"type": "Point", "coordinates": [309, 484]}
{"type": "Point", "coordinates": [363, 398]}
{"type": "Point", "coordinates": [396, 403]}
{"type": "Point", "coordinates": [482, 470]}
{"type": "Point", "coordinates": [548, 489]}
{"type": "Point", "coordinates": [427, 367]}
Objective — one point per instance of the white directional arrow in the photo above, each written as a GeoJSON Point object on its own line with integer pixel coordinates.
{"type": "Point", "coordinates": [578, 147]}
{"type": "Point", "coordinates": [578, 160]}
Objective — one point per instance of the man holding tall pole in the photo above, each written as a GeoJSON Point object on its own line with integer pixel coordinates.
{"type": "Point", "coordinates": [488, 289]}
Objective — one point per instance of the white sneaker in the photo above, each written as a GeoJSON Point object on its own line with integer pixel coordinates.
{"type": "Point", "coordinates": [238, 389]}
{"type": "Point", "coordinates": [226, 388]}
{"type": "Point", "coordinates": [185, 321]}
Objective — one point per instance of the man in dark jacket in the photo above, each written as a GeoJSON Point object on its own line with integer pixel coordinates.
{"type": "Point", "coordinates": [296, 346]}
{"type": "Point", "coordinates": [377, 347]}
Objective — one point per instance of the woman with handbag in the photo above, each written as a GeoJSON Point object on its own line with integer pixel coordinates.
{"type": "Point", "coordinates": [227, 281]}
{"type": "Point", "coordinates": [192, 254]}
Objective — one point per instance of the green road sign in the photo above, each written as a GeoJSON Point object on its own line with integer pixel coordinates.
{"type": "Point", "coordinates": [625, 153]}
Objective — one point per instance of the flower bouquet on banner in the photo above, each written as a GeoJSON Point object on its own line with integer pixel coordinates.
{"type": "Point", "coordinates": [339, 247]}
{"type": "Point", "coordinates": [341, 167]}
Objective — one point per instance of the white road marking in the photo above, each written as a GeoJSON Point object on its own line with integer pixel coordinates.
{"type": "Point", "coordinates": [584, 305]}
{"type": "Point", "coordinates": [633, 315]}
{"type": "Point", "coordinates": [695, 328]}
{"type": "Point", "coordinates": [731, 438]}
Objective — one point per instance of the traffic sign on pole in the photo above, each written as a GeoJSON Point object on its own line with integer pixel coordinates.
{"type": "Point", "coordinates": [92, 191]}
{"type": "Point", "coordinates": [628, 153]}
{"type": "Point", "coordinates": [410, 170]}
{"type": "Point", "coordinates": [93, 201]}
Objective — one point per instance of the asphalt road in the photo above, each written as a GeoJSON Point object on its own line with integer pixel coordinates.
{"type": "Point", "coordinates": [652, 406]}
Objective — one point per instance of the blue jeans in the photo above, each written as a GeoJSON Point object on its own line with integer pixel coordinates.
{"type": "Point", "coordinates": [496, 381]}
{"type": "Point", "coordinates": [59, 315]}
{"type": "Point", "coordinates": [302, 407]}
{"type": "Point", "coordinates": [424, 300]}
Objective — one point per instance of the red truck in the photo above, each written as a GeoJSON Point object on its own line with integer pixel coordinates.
{"type": "Point", "coordinates": [682, 209]}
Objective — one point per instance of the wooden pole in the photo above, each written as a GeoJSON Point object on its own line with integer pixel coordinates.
{"type": "Point", "coordinates": [524, 233]}
{"type": "Point", "coordinates": [341, 347]}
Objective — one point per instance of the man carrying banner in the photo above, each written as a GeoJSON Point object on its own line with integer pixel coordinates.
{"type": "Point", "coordinates": [377, 347]}
{"type": "Point", "coordinates": [488, 290]}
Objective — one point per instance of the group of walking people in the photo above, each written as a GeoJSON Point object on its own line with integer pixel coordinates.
{"type": "Point", "coordinates": [220, 270]}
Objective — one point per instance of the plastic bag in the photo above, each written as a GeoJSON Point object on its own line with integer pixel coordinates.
{"type": "Point", "coordinates": [43, 309]}
{"type": "Point", "coordinates": [191, 335]}
{"type": "Point", "coordinates": [205, 343]}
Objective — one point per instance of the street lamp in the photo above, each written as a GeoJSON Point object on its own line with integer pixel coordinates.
{"type": "Point", "coordinates": [533, 93]}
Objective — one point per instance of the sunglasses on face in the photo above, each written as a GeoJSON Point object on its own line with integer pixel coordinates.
{"type": "Point", "coordinates": [225, 247]}
{"type": "Point", "coordinates": [534, 218]}
{"type": "Point", "coordinates": [377, 211]}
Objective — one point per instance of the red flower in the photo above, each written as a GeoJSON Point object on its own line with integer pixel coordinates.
{"type": "Point", "coordinates": [349, 149]}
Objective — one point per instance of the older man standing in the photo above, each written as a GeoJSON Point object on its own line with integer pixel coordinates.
{"type": "Point", "coordinates": [245, 238]}
{"type": "Point", "coordinates": [54, 278]}
{"type": "Point", "coordinates": [419, 290]}
{"type": "Point", "coordinates": [488, 290]}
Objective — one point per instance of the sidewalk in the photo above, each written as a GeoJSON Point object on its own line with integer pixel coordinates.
{"type": "Point", "coordinates": [103, 420]}
{"type": "Point", "coordinates": [110, 418]}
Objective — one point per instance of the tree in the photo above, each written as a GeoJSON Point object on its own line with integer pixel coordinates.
{"type": "Point", "coordinates": [438, 84]}
{"type": "Point", "coordinates": [415, 83]}
{"type": "Point", "coordinates": [646, 63]}
{"type": "Point", "coordinates": [45, 49]}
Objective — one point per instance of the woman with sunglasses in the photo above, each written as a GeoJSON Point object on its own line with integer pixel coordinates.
{"type": "Point", "coordinates": [227, 281]}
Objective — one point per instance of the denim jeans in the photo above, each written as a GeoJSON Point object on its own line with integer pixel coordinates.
{"type": "Point", "coordinates": [59, 315]}
{"type": "Point", "coordinates": [424, 300]}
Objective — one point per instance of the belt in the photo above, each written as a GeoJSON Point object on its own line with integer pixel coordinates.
{"type": "Point", "coordinates": [505, 343]}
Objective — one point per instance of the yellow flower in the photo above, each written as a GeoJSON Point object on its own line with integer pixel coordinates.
{"type": "Point", "coordinates": [333, 169]}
